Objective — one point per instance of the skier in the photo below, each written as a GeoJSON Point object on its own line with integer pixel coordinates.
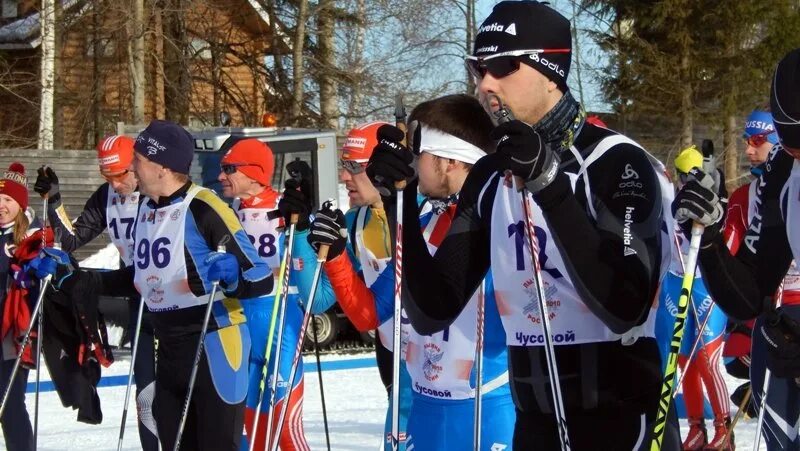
{"type": "Point", "coordinates": [112, 208]}
{"type": "Point", "coordinates": [246, 175]}
{"type": "Point", "coordinates": [177, 231]}
{"type": "Point", "coordinates": [703, 370]}
{"type": "Point", "coordinates": [15, 225]}
{"type": "Point", "coordinates": [598, 203]}
{"type": "Point", "coordinates": [745, 285]}
{"type": "Point", "coordinates": [760, 136]}
{"type": "Point", "coordinates": [450, 134]}
{"type": "Point", "coordinates": [356, 268]}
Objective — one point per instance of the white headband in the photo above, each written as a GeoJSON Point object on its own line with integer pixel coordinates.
{"type": "Point", "coordinates": [448, 146]}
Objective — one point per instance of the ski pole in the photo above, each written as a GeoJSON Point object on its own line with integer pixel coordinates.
{"type": "Point", "coordinates": [39, 333]}
{"type": "Point", "coordinates": [700, 330]}
{"type": "Point", "coordinates": [24, 343]}
{"type": "Point", "coordinates": [283, 283]}
{"type": "Point", "coordinates": [321, 388]}
{"type": "Point", "coordinates": [739, 415]}
{"type": "Point", "coordinates": [198, 354]}
{"type": "Point", "coordinates": [549, 348]}
{"type": "Point", "coordinates": [321, 257]}
{"type": "Point", "coordinates": [400, 122]}
{"type": "Point", "coordinates": [281, 300]}
{"type": "Point", "coordinates": [134, 351]}
{"type": "Point", "coordinates": [762, 406]}
{"type": "Point", "coordinates": [476, 434]}
{"type": "Point", "coordinates": [668, 384]}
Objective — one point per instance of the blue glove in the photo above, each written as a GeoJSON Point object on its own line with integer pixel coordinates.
{"type": "Point", "coordinates": [223, 267]}
{"type": "Point", "coordinates": [52, 262]}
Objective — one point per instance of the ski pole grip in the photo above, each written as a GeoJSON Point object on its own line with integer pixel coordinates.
{"type": "Point", "coordinates": [401, 124]}
{"type": "Point", "coordinates": [294, 218]}
{"type": "Point", "coordinates": [221, 245]}
{"type": "Point", "coordinates": [322, 255]}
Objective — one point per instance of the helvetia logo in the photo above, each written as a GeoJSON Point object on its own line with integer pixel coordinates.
{"type": "Point", "coordinates": [492, 27]}
{"type": "Point", "coordinates": [627, 237]}
{"type": "Point", "coordinates": [512, 29]}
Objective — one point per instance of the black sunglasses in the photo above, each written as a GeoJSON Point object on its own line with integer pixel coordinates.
{"type": "Point", "coordinates": [502, 64]}
{"type": "Point", "coordinates": [229, 169]}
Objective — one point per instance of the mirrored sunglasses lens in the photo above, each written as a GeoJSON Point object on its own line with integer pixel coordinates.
{"type": "Point", "coordinates": [352, 167]}
{"type": "Point", "coordinates": [502, 66]}
{"type": "Point", "coordinates": [475, 69]}
{"type": "Point", "coordinates": [756, 140]}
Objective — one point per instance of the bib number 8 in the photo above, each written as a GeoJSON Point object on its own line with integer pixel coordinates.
{"type": "Point", "coordinates": [266, 244]}
{"type": "Point", "coordinates": [158, 252]}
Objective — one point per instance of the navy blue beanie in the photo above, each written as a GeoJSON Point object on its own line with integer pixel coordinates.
{"type": "Point", "coordinates": [167, 144]}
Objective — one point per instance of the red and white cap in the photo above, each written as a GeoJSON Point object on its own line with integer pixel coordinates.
{"type": "Point", "coordinates": [361, 141]}
{"type": "Point", "coordinates": [115, 153]}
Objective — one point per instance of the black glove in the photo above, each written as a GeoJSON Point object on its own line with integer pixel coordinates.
{"type": "Point", "coordinates": [301, 171]}
{"type": "Point", "coordinates": [329, 228]}
{"type": "Point", "coordinates": [294, 202]}
{"type": "Point", "coordinates": [697, 201]}
{"type": "Point", "coordinates": [782, 338]}
{"type": "Point", "coordinates": [526, 154]}
{"type": "Point", "coordinates": [390, 161]}
{"type": "Point", "coordinates": [47, 184]}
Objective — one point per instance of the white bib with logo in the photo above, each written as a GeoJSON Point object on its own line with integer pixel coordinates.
{"type": "Point", "coordinates": [571, 321]}
{"type": "Point", "coordinates": [440, 364]}
{"type": "Point", "coordinates": [120, 220]}
{"type": "Point", "coordinates": [161, 276]}
{"type": "Point", "coordinates": [263, 232]}
{"type": "Point", "coordinates": [371, 267]}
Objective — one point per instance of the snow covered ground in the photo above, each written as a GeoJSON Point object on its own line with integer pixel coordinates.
{"type": "Point", "coordinates": [355, 398]}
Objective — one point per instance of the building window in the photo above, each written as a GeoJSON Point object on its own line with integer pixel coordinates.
{"type": "Point", "coordinates": [200, 48]}
{"type": "Point", "coordinates": [106, 44]}
{"type": "Point", "coordinates": [10, 9]}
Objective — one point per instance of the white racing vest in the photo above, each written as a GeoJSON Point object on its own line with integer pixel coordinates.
{"type": "Point", "coordinates": [571, 321]}
{"type": "Point", "coordinates": [160, 265]}
{"type": "Point", "coordinates": [440, 365]}
{"type": "Point", "coordinates": [264, 233]}
{"type": "Point", "coordinates": [120, 219]}
{"type": "Point", "coordinates": [371, 267]}
{"type": "Point", "coordinates": [791, 217]}
{"type": "Point", "coordinates": [791, 209]}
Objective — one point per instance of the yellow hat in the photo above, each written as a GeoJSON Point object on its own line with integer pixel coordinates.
{"type": "Point", "coordinates": [689, 158]}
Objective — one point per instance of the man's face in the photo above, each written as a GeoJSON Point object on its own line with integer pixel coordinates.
{"type": "Point", "coordinates": [234, 182]}
{"type": "Point", "coordinates": [147, 173]}
{"type": "Point", "coordinates": [122, 183]}
{"type": "Point", "coordinates": [757, 150]}
{"type": "Point", "coordinates": [525, 92]}
{"type": "Point", "coordinates": [360, 189]}
{"type": "Point", "coordinates": [432, 175]}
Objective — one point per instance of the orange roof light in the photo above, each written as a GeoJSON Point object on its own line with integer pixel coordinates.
{"type": "Point", "coordinates": [269, 120]}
